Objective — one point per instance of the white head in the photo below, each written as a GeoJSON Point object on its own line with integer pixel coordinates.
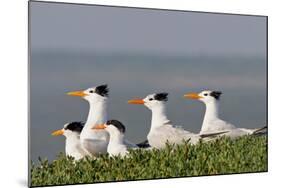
{"type": "Point", "coordinates": [92, 95]}
{"type": "Point", "coordinates": [113, 127]}
{"type": "Point", "coordinates": [70, 129]}
{"type": "Point", "coordinates": [206, 96]}
{"type": "Point", "coordinates": [152, 101]}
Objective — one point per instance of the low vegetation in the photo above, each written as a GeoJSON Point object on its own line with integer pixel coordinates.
{"type": "Point", "coordinates": [223, 156]}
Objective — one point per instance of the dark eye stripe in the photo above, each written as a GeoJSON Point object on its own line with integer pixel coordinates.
{"type": "Point", "coordinates": [75, 126]}
{"type": "Point", "coordinates": [161, 96]}
{"type": "Point", "coordinates": [102, 90]}
{"type": "Point", "coordinates": [216, 94]}
{"type": "Point", "coordinates": [117, 124]}
{"type": "Point", "coordinates": [150, 99]}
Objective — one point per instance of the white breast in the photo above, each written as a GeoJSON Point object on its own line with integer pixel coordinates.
{"type": "Point", "coordinates": [94, 141]}
{"type": "Point", "coordinates": [74, 149]}
{"type": "Point", "coordinates": [115, 150]}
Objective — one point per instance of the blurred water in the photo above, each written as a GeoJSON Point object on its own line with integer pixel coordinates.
{"type": "Point", "coordinates": [138, 52]}
{"type": "Point", "coordinates": [241, 79]}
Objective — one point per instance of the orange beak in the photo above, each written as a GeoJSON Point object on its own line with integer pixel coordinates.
{"type": "Point", "coordinates": [192, 96]}
{"type": "Point", "coordinates": [58, 132]}
{"type": "Point", "coordinates": [101, 126]}
{"type": "Point", "coordinates": [136, 101]}
{"type": "Point", "coordinates": [77, 93]}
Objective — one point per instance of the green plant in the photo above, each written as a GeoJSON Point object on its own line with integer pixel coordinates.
{"type": "Point", "coordinates": [223, 156]}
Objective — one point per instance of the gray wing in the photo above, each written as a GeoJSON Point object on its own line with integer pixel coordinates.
{"type": "Point", "coordinates": [218, 125]}
{"type": "Point", "coordinates": [171, 134]}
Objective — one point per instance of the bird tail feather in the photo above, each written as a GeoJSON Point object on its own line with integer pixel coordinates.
{"type": "Point", "coordinates": [212, 134]}
{"type": "Point", "coordinates": [260, 131]}
{"type": "Point", "coordinates": [143, 144]}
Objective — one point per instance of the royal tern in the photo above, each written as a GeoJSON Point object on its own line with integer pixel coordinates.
{"type": "Point", "coordinates": [162, 129]}
{"type": "Point", "coordinates": [94, 141]}
{"type": "Point", "coordinates": [116, 130]}
{"type": "Point", "coordinates": [212, 122]}
{"type": "Point", "coordinates": [72, 131]}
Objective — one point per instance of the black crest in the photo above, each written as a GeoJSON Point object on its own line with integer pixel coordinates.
{"type": "Point", "coordinates": [216, 94]}
{"type": "Point", "coordinates": [102, 90]}
{"type": "Point", "coordinates": [75, 126]}
{"type": "Point", "coordinates": [161, 96]}
{"type": "Point", "coordinates": [117, 124]}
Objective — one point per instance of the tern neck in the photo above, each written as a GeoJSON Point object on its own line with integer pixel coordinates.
{"type": "Point", "coordinates": [159, 117]}
{"type": "Point", "coordinates": [116, 138]}
{"type": "Point", "coordinates": [73, 138]}
{"type": "Point", "coordinates": [97, 114]}
{"type": "Point", "coordinates": [211, 113]}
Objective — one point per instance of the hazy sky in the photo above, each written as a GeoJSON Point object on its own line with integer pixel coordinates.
{"type": "Point", "coordinates": [138, 52]}
{"type": "Point", "coordinates": [110, 29]}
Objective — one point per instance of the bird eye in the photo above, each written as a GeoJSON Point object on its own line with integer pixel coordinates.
{"type": "Point", "coordinates": [91, 91]}
{"type": "Point", "coordinates": [150, 99]}
{"type": "Point", "coordinates": [205, 94]}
